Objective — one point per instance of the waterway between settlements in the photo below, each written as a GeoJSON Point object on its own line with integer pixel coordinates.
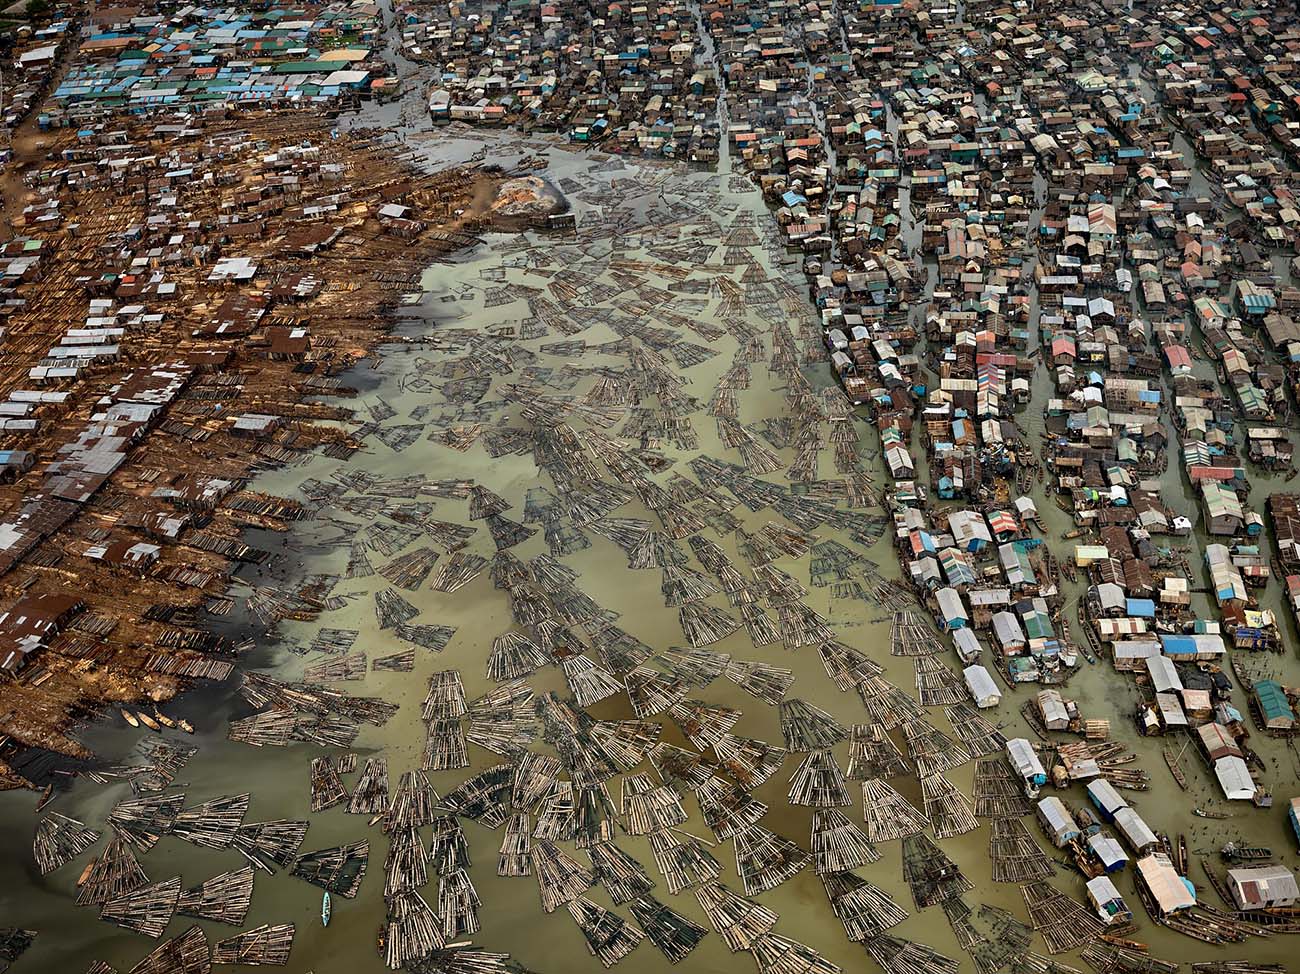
{"type": "Point", "coordinates": [641, 225]}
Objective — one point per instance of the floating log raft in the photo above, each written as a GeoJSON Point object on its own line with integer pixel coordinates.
{"type": "Point", "coordinates": [458, 905]}
{"type": "Point", "coordinates": [609, 937]}
{"type": "Point", "coordinates": [886, 704]}
{"type": "Point", "coordinates": [767, 683]}
{"type": "Point", "coordinates": [146, 910]}
{"type": "Point", "coordinates": [698, 667]}
{"type": "Point", "coordinates": [652, 692]}
{"type": "Point", "coordinates": [809, 728]}
{"type": "Point", "coordinates": [818, 782]}
{"type": "Point", "coordinates": [534, 776]}
{"type": "Point", "coordinates": [765, 860]}
{"type": "Point", "coordinates": [837, 844]}
{"type": "Point", "coordinates": [888, 815]}
{"type": "Point", "coordinates": [1064, 922]}
{"type": "Point", "coordinates": [873, 754]}
{"type": "Point", "coordinates": [702, 724]}
{"type": "Point", "coordinates": [327, 788]}
{"type": "Point", "coordinates": [115, 873]}
{"type": "Point", "coordinates": [406, 866]}
{"type": "Point", "coordinates": [977, 734]}
{"type": "Point", "coordinates": [845, 665]}
{"type": "Point", "coordinates": [224, 898]}
{"type": "Point", "coordinates": [514, 655]}
{"type": "Point", "coordinates": [403, 662]}
{"type": "Point", "coordinates": [14, 942]}
{"type": "Point", "coordinates": [561, 879]}
{"type": "Point", "coordinates": [516, 847]}
{"type": "Point", "coordinates": [450, 848]}
{"type": "Point", "coordinates": [704, 624]}
{"type": "Point", "coordinates": [409, 571]}
{"type": "Point", "coordinates": [727, 808]}
{"type": "Point", "coordinates": [738, 921]}
{"type": "Point", "coordinates": [503, 720]}
{"type": "Point", "coordinates": [482, 797]}
{"type": "Point", "coordinates": [270, 844]}
{"type": "Point", "coordinates": [187, 954]}
{"type": "Point", "coordinates": [272, 728]}
{"type": "Point", "coordinates": [997, 793]}
{"type": "Point", "coordinates": [588, 682]}
{"type": "Point", "coordinates": [775, 954]}
{"type": "Point", "coordinates": [370, 797]}
{"type": "Point", "coordinates": [947, 808]}
{"type": "Point", "coordinates": [392, 610]}
{"type": "Point", "coordinates": [750, 762]}
{"type": "Point", "coordinates": [865, 910]}
{"type": "Point", "coordinates": [412, 803]}
{"type": "Point", "coordinates": [142, 821]}
{"type": "Point", "coordinates": [264, 945]}
{"type": "Point", "coordinates": [430, 637]}
{"type": "Point", "coordinates": [674, 935]}
{"type": "Point", "coordinates": [339, 869]}
{"type": "Point", "coordinates": [683, 860]}
{"type": "Point", "coordinates": [910, 634]}
{"type": "Point", "coordinates": [647, 807]}
{"type": "Point", "coordinates": [457, 571]}
{"type": "Point", "coordinates": [483, 503]}
{"type": "Point", "coordinates": [213, 824]}
{"type": "Point", "coordinates": [413, 931]}
{"type": "Point", "coordinates": [898, 956]}
{"type": "Point", "coordinates": [933, 751]}
{"type": "Point", "coordinates": [60, 839]}
{"type": "Point", "coordinates": [621, 875]}
{"type": "Point", "coordinates": [445, 699]}
{"type": "Point", "coordinates": [930, 874]}
{"type": "Point", "coordinates": [556, 817]}
{"type": "Point", "coordinates": [1015, 856]}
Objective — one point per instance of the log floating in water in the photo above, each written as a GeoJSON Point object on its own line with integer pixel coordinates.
{"type": "Point", "coordinates": [997, 793]}
{"type": "Point", "coordinates": [516, 847]}
{"type": "Point", "coordinates": [142, 821]}
{"type": "Point", "coordinates": [413, 931]}
{"type": "Point", "coordinates": [683, 860]}
{"type": "Point", "coordinates": [411, 804]}
{"type": "Point", "coordinates": [1064, 922]}
{"type": "Point", "coordinates": [776, 954]}
{"type": "Point", "coordinates": [1015, 856]}
{"type": "Point", "coordinates": [560, 878]}
{"type": "Point", "coordinates": [224, 898]}
{"type": "Point", "coordinates": [947, 808]}
{"type": "Point", "coordinates": [458, 905]}
{"type": "Point", "coordinates": [214, 823]}
{"type": "Point", "coordinates": [809, 728]}
{"type": "Point", "coordinates": [738, 921]}
{"type": "Point", "coordinates": [483, 797]}
{"type": "Point", "coordinates": [270, 844]}
{"type": "Point", "coordinates": [146, 910]}
{"type": "Point", "coordinates": [621, 875]}
{"type": "Point", "coordinates": [818, 782]}
{"type": "Point", "coordinates": [727, 807]}
{"type": "Point", "coordinates": [898, 956]}
{"type": "Point", "coordinates": [187, 954]}
{"type": "Point", "coordinates": [406, 866]}
{"type": "Point", "coordinates": [370, 797]}
{"type": "Point", "coordinates": [765, 859]}
{"type": "Point", "coordinates": [339, 869]}
{"type": "Point", "coordinates": [609, 937]}
{"type": "Point", "coordinates": [888, 815]}
{"type": "Point", "coordinates": [647, 807]}
{"type": "Point", "coordinates": [932, 751]}
{"type": "Point", "coordinates": [674, 935]}
{"type": "Point", "coordinates": [872, 754]}
{"type": "Point", "coordinates": [60, 839]}
{"type": "Point", "coordinates": [751, 762]}
{"type": "Point", "coordinates": [115, 873]}
{"type": "Point", "coordinates": [930, 874]}
{"type": "Point", "coordinates": [865, 910]}
{"type": "Point", "coordinates": [326, 786]}
{"type": "Point", "coordinates": [838, 845]}
{"type": "Point", "coordinates": [264, 945]}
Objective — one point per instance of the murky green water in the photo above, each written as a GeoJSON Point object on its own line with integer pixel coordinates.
{"type": "Point", "coordinates": [625, 214]}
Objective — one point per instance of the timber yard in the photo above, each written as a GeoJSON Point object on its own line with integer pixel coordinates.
{"type": "Point", "coordinates": [801, 485]}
